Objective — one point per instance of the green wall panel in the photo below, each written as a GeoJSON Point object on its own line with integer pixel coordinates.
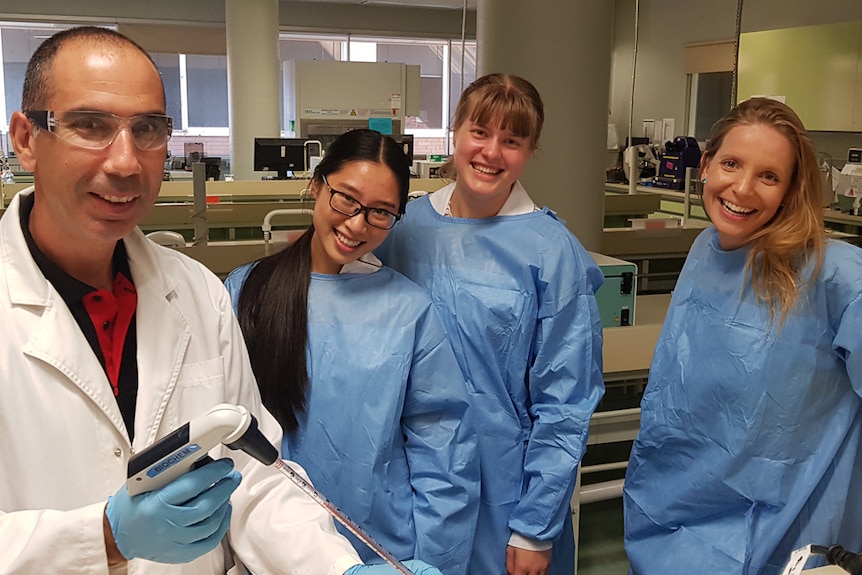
{"type": "Point", "coordinates": [815, 68]}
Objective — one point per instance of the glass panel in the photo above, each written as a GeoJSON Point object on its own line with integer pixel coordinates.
{"type": "Point", "coordinates": [713, 101]}
{"type": "Point", "coordinates": [429, 57]}
{"type": "Point", "coordinates": [169, 68]}
{"type": "Point", "coordinates": [18, 45]}
{"type": "Point", "coordinates": [458, 80]}
{"type": "Point", "coordinates": [430, 104]}
{"type": "Point", "coordinates": [16, 52]}
{"type": "Point", "coordinates": [207, 91]}
{"type": "Point", "coordinates": [309, 49]}
{"type": "Point", "coordinates": [363, 51]}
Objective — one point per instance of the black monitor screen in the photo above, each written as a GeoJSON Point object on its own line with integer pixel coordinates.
{"type": "Point", "coordinates": [406, 142]}
{"type": "Point", "coordinates": [212, 166]}
{"type": "Point", "coordinates": [637, 140]}
{"type": "Point", "coordinates": [281, 155]}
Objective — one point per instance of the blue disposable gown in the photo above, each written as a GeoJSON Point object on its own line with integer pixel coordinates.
{"type": "Point", "coordinates": [750, 437]}
{"type": "Point", "coordinates": [387, 435]}
{"type": "Point", "coordinates": [517, 296]}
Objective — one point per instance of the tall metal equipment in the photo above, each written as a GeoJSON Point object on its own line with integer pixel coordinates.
{"type": "Point", "coordinates": [325, 98]}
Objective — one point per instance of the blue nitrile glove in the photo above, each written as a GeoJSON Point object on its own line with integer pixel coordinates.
{"type": "Point", "coordinates": [178, 523]}
{"type": "Point", "coordinates": [418, 567]}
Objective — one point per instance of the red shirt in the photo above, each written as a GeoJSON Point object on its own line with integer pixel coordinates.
{"type": "Point", "coordinates": [106, 319]}
{"type": "Point", "coordinates": [111, 314]}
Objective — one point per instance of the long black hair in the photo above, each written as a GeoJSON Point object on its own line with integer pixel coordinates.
{"type": "Point", "coordinates": [273, 304]}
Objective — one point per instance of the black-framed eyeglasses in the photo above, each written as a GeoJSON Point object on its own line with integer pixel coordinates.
{"type": "Point", "coordinates": [96, 130]}
{"type": "Point", "coordinates": [349, 206]}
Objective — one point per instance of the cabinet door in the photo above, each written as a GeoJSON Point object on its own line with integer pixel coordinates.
{"type": "Point", "coordinates": [772, 63]}
{"type": "Point", "coordinates": [832, 78]}
{"type": "Point", "coordinates": [815, 68]}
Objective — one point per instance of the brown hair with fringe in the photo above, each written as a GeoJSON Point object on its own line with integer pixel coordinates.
{"type": "Point", "coordinates": [502, 100]}
{"type": "Point", "coordinates": [795, 235]}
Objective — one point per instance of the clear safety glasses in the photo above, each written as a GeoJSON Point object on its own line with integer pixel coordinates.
{"type": "Point", "coordinates": [349, 206]}
{"type": "Point", "coordinates": [98, 130]}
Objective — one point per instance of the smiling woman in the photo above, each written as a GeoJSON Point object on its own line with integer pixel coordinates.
{"type": "Point", "coordinates": [733, 469]}
{"type": "Point", "coordinates": [339, 342]}
{"type": "Point", "coordinates": [763, 189]}
{"type": "Point", "coordinates": [518, 294]}
{"type": "Point", "coordinates": [745, 182]}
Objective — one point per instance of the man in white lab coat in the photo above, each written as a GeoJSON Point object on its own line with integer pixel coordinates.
{"type": "Point", "coordinates": [110, 342]}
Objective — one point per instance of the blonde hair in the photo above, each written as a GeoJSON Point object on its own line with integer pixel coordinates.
{"type": "Point", "coordinates": [503, 100]}
{"type": "Point", "coordinates": [795, 235]}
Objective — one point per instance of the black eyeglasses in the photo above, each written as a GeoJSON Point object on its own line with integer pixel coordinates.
{"type": "Point", "coordinates": [349, 206]}
{"type": "Point", "coordinates": [96, 130]}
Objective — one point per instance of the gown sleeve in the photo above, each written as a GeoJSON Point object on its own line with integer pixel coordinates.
{"type": "Point", "coordinates": [848, 342]}
{"type": "Point", "coordinates": [441, 451]}
{"type": "Point", "coordinates": [565, 384]}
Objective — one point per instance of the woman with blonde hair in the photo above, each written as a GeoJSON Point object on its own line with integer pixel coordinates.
{"type": "Point", "coordinates": [751, 424]}
{"type": "Point", "coordinates": [517, 293]}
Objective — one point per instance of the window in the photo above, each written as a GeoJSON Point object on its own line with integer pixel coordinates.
{"type": "Point", "coordinates": [430, 57]}
{"type": "Point", "coordinates": [196, 87]}
{"type": "Point", "coordinates": [441, 79]}
{"type": "Point", "coordinates": [169, 68]}
{"type": "Point", "coordinates": [710, 100]}
{"type": "Point", "coordinates": [206, 83]}
{"type": "Point", "coordinates": [709, 67]}
{"type": "Point", "coordinates": [17, 44]}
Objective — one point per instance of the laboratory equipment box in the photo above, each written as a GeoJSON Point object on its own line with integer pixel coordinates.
{"type": "Point", "coordinates": [616, 297]}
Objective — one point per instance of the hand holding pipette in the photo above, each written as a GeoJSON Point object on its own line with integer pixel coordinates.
{"type": "Point", "coordinates": [187, 447]}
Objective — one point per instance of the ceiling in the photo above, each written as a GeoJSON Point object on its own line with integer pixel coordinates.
{"type": "Point", "coordinates": [446, 4]}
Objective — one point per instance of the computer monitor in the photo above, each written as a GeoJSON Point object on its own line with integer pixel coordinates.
{"type": "Point", "coordinates": [637, 140]}
{"type": "Point", "coordinates": [280, 155]}
{"type": "Point", "coordinates": [406, 142]}
{"type": "Point", "coordinates": [212, 165]}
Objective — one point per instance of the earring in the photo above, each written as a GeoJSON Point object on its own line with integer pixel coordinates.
{"type": "Point", "coordinates": [703, 180]}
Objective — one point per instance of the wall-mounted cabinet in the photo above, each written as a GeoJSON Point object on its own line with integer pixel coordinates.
{"type": "Point", "coordinates": [816, 69]}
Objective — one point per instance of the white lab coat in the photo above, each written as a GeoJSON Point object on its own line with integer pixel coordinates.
{"type": "Point", "coordinates": [63, 445]}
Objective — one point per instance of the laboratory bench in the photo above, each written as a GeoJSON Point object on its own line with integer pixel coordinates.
{"type": "Point", "coordinates": [620, 208]}
{"type": "Point", "coordinates": [235, 211]}
{"type": "Point", "coordinates": [844, 226]}
{"type": "Point", "coordinates": [659, 253]}
{"type": "Point", "coordinates": [672, 203]}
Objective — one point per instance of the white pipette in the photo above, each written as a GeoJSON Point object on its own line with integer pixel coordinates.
{"type": "Point", "coordinates": [186, 448]}
{"type": "Point", "coordinates": [340, 516]}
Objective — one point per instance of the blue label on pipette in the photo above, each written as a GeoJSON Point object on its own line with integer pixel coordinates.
{"type": "Point", "coordinates": [173, 459]}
